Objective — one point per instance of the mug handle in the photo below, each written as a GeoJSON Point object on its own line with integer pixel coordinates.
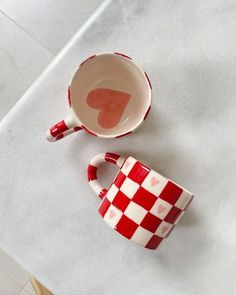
{"type": "Point", "coordinates": [93, 166]}
{"type": "Point", "coordinates": [62, 129]}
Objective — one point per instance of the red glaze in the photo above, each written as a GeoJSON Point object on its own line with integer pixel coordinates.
{"type": "Point", "coordinates": [126, 227]}
{"type": "Point", "coordinates": [102, 193]}
{"type": "Point", "coordinates": [124, 134]}
{"type": "Point", "coordinates": [88, 131]}
{"type": "Point", "coordinates": [110, 157]}
{"type": "Point", "coordinates": [59, 128]}
{"type": "Point", "coordinates": [92, 172]}
{"type": "Point", "coordinates": [122, 54]}
{"type": "Point", "coordinates": [77, 128]}
{"type": "Point", "coordinates": [92, 56]}
{"type": "Point", "coordinates": [69, 98]}
{"type": "Point", "coordinates": [154, 242]}
{"type": "Point", "coordinates": [148, 80]}
{"type": "Point", "coordinates": [140, 202]}
{"type": "Point", "coordinates": [147, 113]}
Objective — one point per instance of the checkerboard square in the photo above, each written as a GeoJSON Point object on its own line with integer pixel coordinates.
{"type": "Point", "coordinates": [135, 212]}
{"type": "Point", "coordinates": [128, 165]}
{"type": "Point", "coordinates": [179, 217]}
{"type": "Point", "coordinates": [188, 204]}
{"type": "Point", "coordinates": [163, 229]}
{"type": "Point", "coordinates": [113, 190]}
{"type": "Point", "coordinates": [126, 227]}
{"type": "Point", "coordinates": [144, 198]}
{"type": "Point", "coordinates": [138, 172]}
{"type": "Point", "coordinates": [170, 231]}
{"type": "Point", "coordinates": [141, 236]}
{"type": "Point", "coordinates": [173, 214]}
{"type": "Point", "coordinates": [171, 193]}
{"type": "Point", "coordinates": [154, 183]}
{"type": "Point", "coordinates": [120, 162]}
{"type": "Point", "coordinates": [120, 178]}
{"type": "Point", "coordinates": [150, 222]}
{"type": "Point", "coordinates": [121, 201]}
{"type": "Point", "coordinates": [104, 207]}
{"type": "Point", "coordinates": [154, 242]}
{"type": "Point", "coordinates": [112, 216]}
{"type": "Point", "coordinates": [129, 187]}
{"type": "Point", "coordinates": [161, 208]}
{"type": "Point", "coordinates": [183, 200]}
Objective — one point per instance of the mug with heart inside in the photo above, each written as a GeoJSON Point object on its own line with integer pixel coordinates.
{"type": "Point", "coordinates": [110, 95]}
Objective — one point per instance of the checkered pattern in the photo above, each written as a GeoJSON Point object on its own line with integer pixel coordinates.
{"type": "Point", "coordinates": [142, 205]}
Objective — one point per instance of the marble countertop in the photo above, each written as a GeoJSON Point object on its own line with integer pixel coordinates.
{"type": "Point", "coordinates": [48, 214]}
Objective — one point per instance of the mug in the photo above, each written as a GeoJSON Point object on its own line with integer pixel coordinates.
{"type": "Point", "coordinates": [141, 204]}
{"type": "Point", "coordinates": [109, 96]}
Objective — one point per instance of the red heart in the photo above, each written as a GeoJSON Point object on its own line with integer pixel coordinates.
{"type": "Point", "coordinates": [111, 103]}
{"type": "Point", "coordinates": [160, 208]}
{"type": "Point", "coordinates": [112, 214]}
{"type": "Point", "coordinates": [154, 181]}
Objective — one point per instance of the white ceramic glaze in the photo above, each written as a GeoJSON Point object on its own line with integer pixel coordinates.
{"type": "Point", "coordinates": [114, 72]}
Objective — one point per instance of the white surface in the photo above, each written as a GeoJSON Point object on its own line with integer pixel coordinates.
{"type": "Point", "coordinates": [31, 33]}
{"type": "Point", "coordinates": [48, 218]}
{"type": "Point", "coordinates": [51, 23]}
{"type": "Point", "coordinates": [7, 286]}
{"type": "Point", "coordinates": [13, 278]}
{"type": "Point", "coordinates": [13, 270]}
{"type": "Point", "coordinates": [22, 59]}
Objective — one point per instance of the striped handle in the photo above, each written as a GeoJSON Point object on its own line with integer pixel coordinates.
{"type": "Point", "coordinates": [93, 166]}
{"type": "Point", "coordinates": [62, 129]}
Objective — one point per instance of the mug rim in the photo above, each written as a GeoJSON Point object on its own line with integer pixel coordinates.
{"type": "Point", "coordinates": [149, 96]}
{"type": "Point", "coordinates": [149, 167]}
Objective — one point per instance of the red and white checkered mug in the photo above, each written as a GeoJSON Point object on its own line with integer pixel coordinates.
{"type": "Point", "coordinates": [141, 204]}
{"type": "Point", "coordinates": [109, 96]}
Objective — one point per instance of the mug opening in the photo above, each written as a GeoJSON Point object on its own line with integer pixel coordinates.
{"type": "Point", "coordinates": [110, 95]}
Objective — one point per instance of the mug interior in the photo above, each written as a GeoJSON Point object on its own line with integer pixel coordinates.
{"type": "Point", "coordinates": [110, 95]}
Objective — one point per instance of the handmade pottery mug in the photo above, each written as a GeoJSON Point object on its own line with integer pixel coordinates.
{"type": "Point", "coordinates": [141, 204]}
{"type": "Point", "coordinates": [109, 96]}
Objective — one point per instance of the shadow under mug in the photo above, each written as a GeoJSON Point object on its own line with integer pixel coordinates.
{"type": "Point", "coordinates": [141, 204]}
{"type": "Point", "coordinates": [109, 96]}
